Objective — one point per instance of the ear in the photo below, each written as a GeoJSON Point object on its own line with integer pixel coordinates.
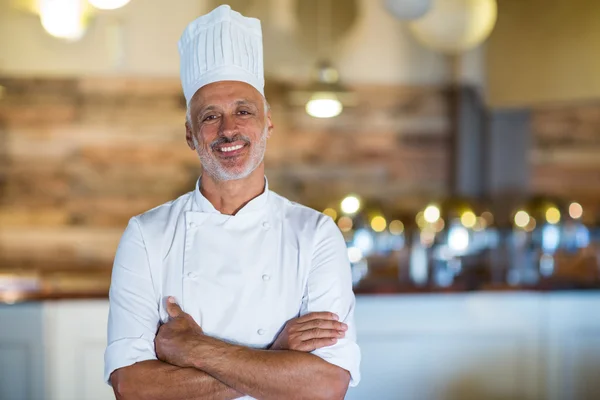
{"type": "Point", "coordinates": [270, 125]}
{"type": "Point", "coordinates": [189, 136]}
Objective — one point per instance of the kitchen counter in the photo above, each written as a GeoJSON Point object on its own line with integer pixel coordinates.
{"type": "Point", "coordinates": [468, 346]}
{"type": "Point", "coordinates": [93, 283]}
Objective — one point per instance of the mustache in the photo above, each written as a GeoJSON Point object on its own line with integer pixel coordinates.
{"type": "Point", "coordinates": [226, 140]}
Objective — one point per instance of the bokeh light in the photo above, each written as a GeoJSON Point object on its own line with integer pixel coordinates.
{"type": "Point", "coordinates": [350, 205]}
{"type": "Point", "coordinates": [468, 219]}
{"type": "Point", "coordinates": [354, 254]}
{"type": "Point", "coordinates": [345, 224]}
{"type": "Point", "coordinates": [575, 210]}
{"type": "Point", "coordinates": [521, 219]}
{"type": "Point", "coordinates": [431, 214]}
{"type": "Point", "coordinates": [378, 224]}
{"type": "Point", "coordinates": [396, 227]}
{"type": "Point", "coordinates": [553, 215]}
{"type": "Point", "coordinates": [330, 212]}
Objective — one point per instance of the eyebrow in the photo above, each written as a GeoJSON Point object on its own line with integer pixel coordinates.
{"type": "Point", "coordinates": [240, 102]}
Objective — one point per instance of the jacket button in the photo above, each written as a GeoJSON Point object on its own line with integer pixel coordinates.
{"type": "Point", "coordinates": [192, 225]}
{"type": "Point", "coordinates": [266, 277]}
{"type": "Point", "coordinates": [266, 225]}
{"type": "Point", "coordinates": [192, 275]}
{"type": "Point", "coordinates": [260, 331]}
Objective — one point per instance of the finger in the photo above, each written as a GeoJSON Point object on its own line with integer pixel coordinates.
{"type": "Point", "coordinates": [311, 345]}
{"type": "Point", "coordinates": [318, 315]}
{"type": "Point", "coordinates": [318, 333]}
{"type": "Point", "coordinates": [173, 308]}
{"type": "Point", "coordinates": [323, 324]}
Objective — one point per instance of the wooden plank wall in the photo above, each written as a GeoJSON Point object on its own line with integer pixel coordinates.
{"type": "Point", "coordinates": [566, 153]}
{"type": "Point", "coordinates": [79, 157]}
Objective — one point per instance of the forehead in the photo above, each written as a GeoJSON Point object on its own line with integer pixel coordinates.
{"type": "Point", "coordinates": [225, 93]}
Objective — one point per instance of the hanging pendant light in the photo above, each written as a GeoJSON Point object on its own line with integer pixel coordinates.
{"type": "Point", "coordinates": [64, 19]}
{"type": "Point", "coordinates": [108, 4]}
{"type": "Point", "coordinates": [324, 102]}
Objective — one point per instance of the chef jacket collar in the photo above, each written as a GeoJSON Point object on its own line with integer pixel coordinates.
{"type": "Point", "coordinates": [256, 204]}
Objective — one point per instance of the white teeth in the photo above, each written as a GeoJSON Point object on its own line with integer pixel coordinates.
{"type": "Point", "coordinates": [231, 148]}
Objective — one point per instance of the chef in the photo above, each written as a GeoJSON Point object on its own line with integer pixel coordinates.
{"type": "Point", "coordinates": [230, 290]}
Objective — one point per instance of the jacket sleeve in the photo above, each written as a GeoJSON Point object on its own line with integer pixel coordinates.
{"type": "Point", "coordinates": [329, 288]}
{"type": "Point", "coordinates": [133, 315]}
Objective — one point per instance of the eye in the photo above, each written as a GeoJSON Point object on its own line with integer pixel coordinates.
{"type": "Point", "coordinates": [209, 118]}
{"type": "Point", "coordinates": [244, 112]}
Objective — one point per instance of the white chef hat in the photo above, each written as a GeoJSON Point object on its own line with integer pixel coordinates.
{"type": "Point", "coordinates": [222, 45]}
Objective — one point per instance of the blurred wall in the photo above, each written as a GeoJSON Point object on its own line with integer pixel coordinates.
{"type": "Point", "coordinates": [81, 156]}
{"type": "Point", "coordinates": [544, 51]}
{"type": "Point", "coordinates": [565, 157]}
{"type": "Point", "coordinates": [91, 132]}
{"type": "Point", "coordinates": [141, 39]}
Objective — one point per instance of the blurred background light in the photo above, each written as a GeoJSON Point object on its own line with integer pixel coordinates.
{"type": "Point", "coordinates": [363, 240]}
{"type": "Point", "coordinates": [350, 205]}
{"type": "Point", "coordinates": [553, 215]}
{"type": "Point", "coordinates": [324, 105]}
{"type": "Point", "coordinates": [378, 223]}
{"type": "Point", "coordinates": [468, 219]}
{"type": "Point", "coordinates": [354, 254]}
{"type": "Point", "coordinates": [454, 26]}
{"type": "Point", "coordinates": [345, 224]}
{"type": "Point", "coordinates": [330, 212]}
{"type": "Point", "coordinates": [431, 214]}
{"type": "Point", "coordinates": [407, 9]}
{"type": "Point", "coordinates": [64, 19]}
{"type": "Point", "coordinates": [575, 210]}
{"type": "Point", "coordinates": [458, 238]}
{"type": "Point", "coordinates": [396, 227]}
{"type": "Point", "coordinates": [521, 219]}
{"type": "Point", "coordinates": [108, 4]}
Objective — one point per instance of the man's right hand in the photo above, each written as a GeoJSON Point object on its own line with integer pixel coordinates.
{"type": "Point", "coordinates": [310, 332]}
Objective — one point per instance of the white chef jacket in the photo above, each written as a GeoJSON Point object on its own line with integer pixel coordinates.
{"type": "Point", "coordinates": [240, 277]}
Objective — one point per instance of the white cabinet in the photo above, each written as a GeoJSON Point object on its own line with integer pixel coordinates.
{"type": "Point", "coordinates": [478, 346]}
{"type": "Point", "coordinates": [22, 356]}
{"type": "Point", "coordinates": [448, 347]}
{"type": "Point", "coordinates": [573, 347]}
{"type": "Point", "coordinates": [76, 340]}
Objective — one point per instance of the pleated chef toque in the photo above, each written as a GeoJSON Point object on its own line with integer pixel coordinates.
{"type": "Point", "coordinates": [222, 45]}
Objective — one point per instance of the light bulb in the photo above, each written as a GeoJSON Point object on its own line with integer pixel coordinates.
{"type": "Point", "coordinates": [324, 105]}
{"type": "Point", "coordinates": [378, 223]}
{"type": "Point", "coordinates": [350, 205]}
{"type": "Point", "coordinates": [521, 219]}
{"type": "Point", "coordinates": [108, 4]}
{"type": "Point", "coordinates": [396, 227]}
{"type": "Point", "coordinates": [553, 215]}
{"type": "Point", "coordinates": [63, 18]}
{"type": "Point", "coordinates": [575, 210]}
{"type": "Point", "coordinates": [431, 214]}
{"type": "Point", "coordinates": [468, 219]}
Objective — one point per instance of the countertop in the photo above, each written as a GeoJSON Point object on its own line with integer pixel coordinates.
{"type": "Point", "coordinates": [92, 283]}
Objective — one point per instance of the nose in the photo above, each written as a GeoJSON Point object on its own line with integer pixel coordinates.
{"type": "Point", "coordinates": [228, 126]}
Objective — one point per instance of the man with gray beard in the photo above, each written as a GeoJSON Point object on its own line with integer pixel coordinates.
{"type": "Point", "coordinates": [230, 290]}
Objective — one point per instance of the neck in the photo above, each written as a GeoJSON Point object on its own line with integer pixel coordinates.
{"type": "Point", "coordinates": [228, 197]}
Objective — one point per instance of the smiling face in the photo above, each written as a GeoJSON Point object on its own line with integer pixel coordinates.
{"type": "Point", "coordinates": [228, 127]}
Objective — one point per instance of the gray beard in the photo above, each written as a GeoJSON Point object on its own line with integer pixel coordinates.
{"type": "Point", "coordinates": [212, 167]}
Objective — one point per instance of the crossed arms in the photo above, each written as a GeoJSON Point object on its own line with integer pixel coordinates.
{"type": "Point", "coordinates": [192, 365]}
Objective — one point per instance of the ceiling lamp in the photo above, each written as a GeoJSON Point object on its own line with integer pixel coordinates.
{"type": "Point", "coordinates": [108, 4]}
{"type": "Point", "coordinates": [65, 19]}
{"type": "Point", "coordinates": [325, 97]}
{"type": "Point", "coordinates": [407, 9]}
{"type": "Point", "coordinates": [325, 100]}
{"type": "Point", "coordinates": [455, 26]}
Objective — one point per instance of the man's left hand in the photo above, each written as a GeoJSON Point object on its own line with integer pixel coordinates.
{"type": "Point", "coordinates": [177, 338]}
